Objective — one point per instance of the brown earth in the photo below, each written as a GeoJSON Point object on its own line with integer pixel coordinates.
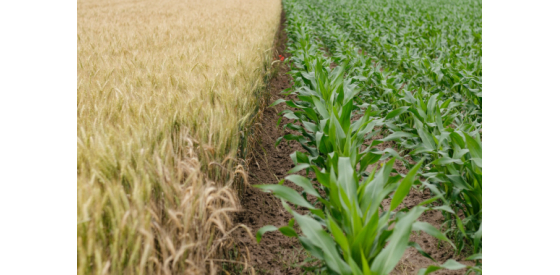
{"type": "Point", "coordinates": [276, 253]}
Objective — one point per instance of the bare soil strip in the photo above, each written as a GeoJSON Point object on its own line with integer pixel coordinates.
{"type": "Point", "coordinates": [278, 254]}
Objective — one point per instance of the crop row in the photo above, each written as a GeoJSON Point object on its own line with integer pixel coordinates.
{"type": "Point", "coordinates": [338, 111]}
{"type": "Point", "coordinates": [429, 107]}
{"type": "Point", "coordinates": [440, 113]}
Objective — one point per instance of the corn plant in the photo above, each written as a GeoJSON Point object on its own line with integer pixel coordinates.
{"type": "Point", "coordinates": [350, 231]}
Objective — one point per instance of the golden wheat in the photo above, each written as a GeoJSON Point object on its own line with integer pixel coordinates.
{"type": "Point", "coordinates": [164, 90]}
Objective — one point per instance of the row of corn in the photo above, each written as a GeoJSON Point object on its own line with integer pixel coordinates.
{"type": "Point", "coordinates": [439, 92]}
{"type": "Point", "coordinates": [337, 114]}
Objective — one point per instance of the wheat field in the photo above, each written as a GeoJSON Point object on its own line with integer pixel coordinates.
{"type": "Point", "coordinates": [165, 90]}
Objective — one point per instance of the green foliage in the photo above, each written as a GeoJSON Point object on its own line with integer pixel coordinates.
{"type": "Point", "coordinates": [412, 68]}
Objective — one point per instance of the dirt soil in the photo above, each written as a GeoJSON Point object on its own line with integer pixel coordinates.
{"type": "Point", "coordinates": [278, 254]}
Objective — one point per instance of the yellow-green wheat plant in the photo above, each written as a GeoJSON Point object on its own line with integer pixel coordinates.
{"type": "Point", "coordinates": [164, 90]}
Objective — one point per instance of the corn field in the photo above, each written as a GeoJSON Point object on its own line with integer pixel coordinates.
{"type": "Point", "coordinates": [412, 71]}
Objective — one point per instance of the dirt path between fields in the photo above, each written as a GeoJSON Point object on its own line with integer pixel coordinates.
{"type": "Point", "coordinates": [277, 254]}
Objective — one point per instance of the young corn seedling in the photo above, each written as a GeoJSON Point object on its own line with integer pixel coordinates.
{"type": "Point", "coordinates": [351, 232]}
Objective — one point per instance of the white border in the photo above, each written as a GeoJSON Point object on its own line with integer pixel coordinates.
{"type": "Point", "coordinates": [38, 137]}
{"type": "Point", "coordinates": [521, 127]}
